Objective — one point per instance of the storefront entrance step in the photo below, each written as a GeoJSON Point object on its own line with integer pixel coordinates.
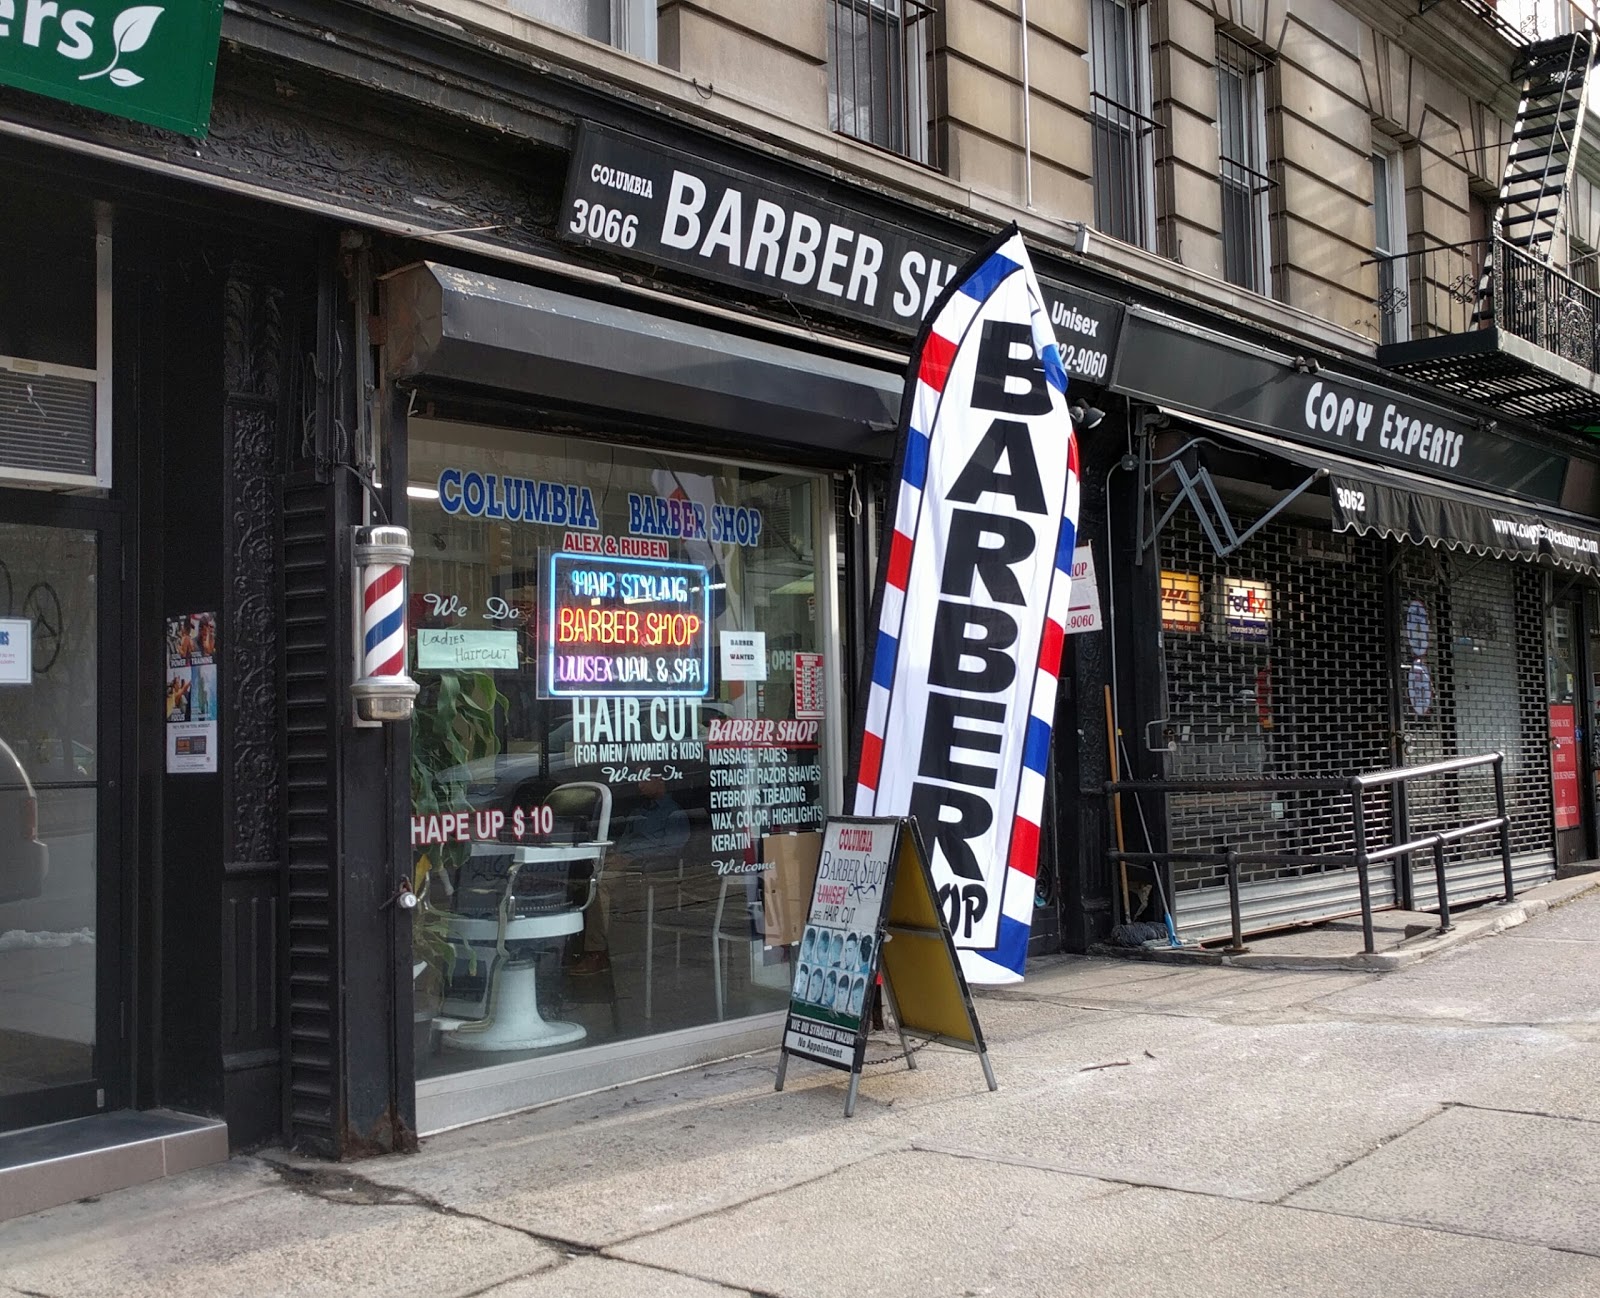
{"type": "Point", "coordinates": [42, 1167]}
{"type": "Point", "coordinates": [1401, 937]}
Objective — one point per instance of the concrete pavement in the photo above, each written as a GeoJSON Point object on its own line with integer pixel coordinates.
{"type": "Point", "coordinates": [1203, 1130]}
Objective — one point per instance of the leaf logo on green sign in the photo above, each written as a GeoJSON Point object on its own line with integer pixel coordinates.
{"type": "Point", "coordinates": [130, 32]}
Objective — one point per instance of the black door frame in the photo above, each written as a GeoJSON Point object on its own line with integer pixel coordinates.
{"type": "Point", "coordinates": [115, 830]}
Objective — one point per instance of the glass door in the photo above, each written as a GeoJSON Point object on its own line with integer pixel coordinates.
{"type": "Point", "coordinates": [59, 1005]}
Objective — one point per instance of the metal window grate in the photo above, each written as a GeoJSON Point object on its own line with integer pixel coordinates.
{"type": "Point", "coordinates": [880, 61]}
{"type": "Point", "coordinates": [1242, 148]}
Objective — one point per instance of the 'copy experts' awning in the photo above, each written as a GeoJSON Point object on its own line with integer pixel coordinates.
{"type": "Point", "coordinates": [1410, 507]}
{"type": "Point", "coordinates": [1362, 504]}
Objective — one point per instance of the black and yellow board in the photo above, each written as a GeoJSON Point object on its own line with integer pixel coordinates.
{"type": "Point", "coordinates": [874, 911]}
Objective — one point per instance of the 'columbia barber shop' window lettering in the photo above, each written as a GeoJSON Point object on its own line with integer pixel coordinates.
{"type": "Point", "coordinates": [620, 655]}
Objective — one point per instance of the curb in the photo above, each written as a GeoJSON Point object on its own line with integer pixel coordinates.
{"type": "Point", "coordinates": [1479, 923]}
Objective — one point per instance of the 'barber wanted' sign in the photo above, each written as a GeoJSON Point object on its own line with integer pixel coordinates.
{"type": "Point", "coordinates": [973, 602]}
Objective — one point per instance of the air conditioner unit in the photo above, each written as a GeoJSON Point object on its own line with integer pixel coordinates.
{"type": "Point", "coordinates": [52, 432]}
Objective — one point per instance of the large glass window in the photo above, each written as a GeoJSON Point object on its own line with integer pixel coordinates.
{"type": "Point", "coordinates": [621, 655]}
{"type": "Point", "coordinates": [49, 859]}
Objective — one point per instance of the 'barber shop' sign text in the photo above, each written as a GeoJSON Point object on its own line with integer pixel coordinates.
{"type": "Point", "coordinates": [638, 199]}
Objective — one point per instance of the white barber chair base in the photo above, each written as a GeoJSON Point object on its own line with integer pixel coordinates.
{"type": "Point", "coordinates": [514, 1022]}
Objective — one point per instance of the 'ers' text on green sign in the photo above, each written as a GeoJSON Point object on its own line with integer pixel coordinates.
{"type": "Point", "coordinates": [154, 63]}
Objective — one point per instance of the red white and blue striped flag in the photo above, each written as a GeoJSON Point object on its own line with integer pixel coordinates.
{"type": "Point", "coordinates": [972, 602]}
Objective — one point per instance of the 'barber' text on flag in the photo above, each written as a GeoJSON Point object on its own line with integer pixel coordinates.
{"type": "Point", "coordinates": [973, 602]}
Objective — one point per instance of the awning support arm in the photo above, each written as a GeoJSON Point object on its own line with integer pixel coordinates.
{"type": "Point", "coordinates": [1190, 488]}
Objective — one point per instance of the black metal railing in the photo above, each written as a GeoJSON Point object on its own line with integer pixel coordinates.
{"type": "Point", "coordinates": [1361, 859]}
{"type": "Point", "coordinates": [881, 61]}
{"type": "Point", "coordinates": [1454, 288]}
{"type": "Point", "coordinates": [1487, 11]}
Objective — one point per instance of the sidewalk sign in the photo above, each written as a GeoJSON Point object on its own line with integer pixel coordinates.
{"type": "Point", "coordinates": [874, 912]}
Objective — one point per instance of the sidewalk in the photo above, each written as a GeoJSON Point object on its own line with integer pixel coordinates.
{"type": "Point", "coordinates": [1198, 1129]}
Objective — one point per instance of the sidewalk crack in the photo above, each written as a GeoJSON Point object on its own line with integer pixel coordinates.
{"type": "Point", "coordinates": [341, 1186]}
{"type": "Point", "coordinates": [897, 1148]}
{"type": "Point", "coordinates": [1282, 1201]}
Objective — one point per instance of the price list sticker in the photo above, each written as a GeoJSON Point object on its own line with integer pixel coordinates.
{"type": "Point", "coordinates": [619, 627]}
{"type": "Point", "coordinates": [808, 686]}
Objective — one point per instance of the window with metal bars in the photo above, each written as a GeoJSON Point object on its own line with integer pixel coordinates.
{"type": "Point", "coordinates": [880, 56]}
{"type": "Point", "coordinates": [1120, 121]}
{"type": "Point", "coordinates": [1242, 148]}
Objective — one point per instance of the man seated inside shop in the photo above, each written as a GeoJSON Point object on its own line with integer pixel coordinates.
{"type": "Point", "coordinates": [652, 842]}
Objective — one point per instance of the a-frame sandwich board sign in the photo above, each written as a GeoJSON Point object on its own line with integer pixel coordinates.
{"type": "Point", "coordinates": [874, 910]}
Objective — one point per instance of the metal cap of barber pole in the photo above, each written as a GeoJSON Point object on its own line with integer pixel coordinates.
{"type": "Point", "coordinates": [383, 691]}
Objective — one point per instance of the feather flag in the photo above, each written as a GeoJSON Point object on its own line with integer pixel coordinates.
{"type": "Point", "coordinates": [972, 602]}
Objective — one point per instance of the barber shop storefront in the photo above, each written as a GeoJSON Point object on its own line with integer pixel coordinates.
{"type": "Point", "coordinates": [1353, 579]}
{"type": "Point", "coordinates": [629, 640]}
{"type": "Point", "coordinates": [644, 549]}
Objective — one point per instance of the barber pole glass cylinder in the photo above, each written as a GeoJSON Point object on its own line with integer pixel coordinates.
{"type": "Point", "coordinates": [383, 691]}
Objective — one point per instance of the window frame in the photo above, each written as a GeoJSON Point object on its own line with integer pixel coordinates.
{"type": "Point", "coordinates": [1132, 120]}
{"type": "Point", "coordinates": [905, 69]}
{"type": "Point", "coordinates": [1390, 239]}
{"type": "Point", "coordinates": [1249, 68]}
{"type": "Point", "coordinates": [101, 376]}
{"type": "Point", "coordinates": [631, 24]}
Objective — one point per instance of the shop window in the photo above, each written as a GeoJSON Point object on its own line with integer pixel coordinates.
{"type": "Point", "coordinates": [623, 657]}
{"type": "Point", "coordinates": [55, 341]}
{"type": "Point", "coordinates": [1242, 128]}
{"type": "Point", "coordinates": [879, 54]}
{"type": "Point", "coordinates": [628, 24]}
{"type": "Point", "coordinates": [1389, 243]}
{"type": "Point", "coordinates": [1121, 125]}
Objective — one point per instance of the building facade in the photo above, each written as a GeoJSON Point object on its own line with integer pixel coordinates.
{"type": "Point", "coordinates": [618, 296]}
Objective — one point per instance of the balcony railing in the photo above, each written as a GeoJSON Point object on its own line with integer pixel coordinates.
{"type": "Point", "coordinates": [1524, 23]}
{"type": "Point", "coordinates": [1445, 290]}
{"type": "Point", "coordinates": [1496, 324]}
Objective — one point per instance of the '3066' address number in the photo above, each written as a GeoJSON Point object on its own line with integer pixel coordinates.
{"type": "Point", "coordinates": [605, 224]}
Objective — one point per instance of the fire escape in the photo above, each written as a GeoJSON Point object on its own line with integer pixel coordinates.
{"type": "Point", "coordinates": [1499, 320]}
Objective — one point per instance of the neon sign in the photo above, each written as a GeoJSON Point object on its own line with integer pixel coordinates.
{"type": "Point", "coordinates": [619, 626]}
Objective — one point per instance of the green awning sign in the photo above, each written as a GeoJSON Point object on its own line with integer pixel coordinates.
{"type": "Point", "coordinates": [151, 63]}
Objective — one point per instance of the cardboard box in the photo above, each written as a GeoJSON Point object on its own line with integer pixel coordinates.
{"type": "Point", "coordinates": [787, 885]}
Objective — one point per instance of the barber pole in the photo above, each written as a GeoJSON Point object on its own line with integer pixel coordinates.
{"type": "Point", "coordinates": [383, 692]}
{"type": "Point", "coordinates": [973, 603]}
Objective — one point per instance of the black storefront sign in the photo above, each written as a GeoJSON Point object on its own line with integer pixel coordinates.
{"type": "Point", "coordinates": [1206, 374]}
{"type": "Point", "coordinates": [638, 199]}
{"type": "Point", "coordinates": [1390, 510]}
